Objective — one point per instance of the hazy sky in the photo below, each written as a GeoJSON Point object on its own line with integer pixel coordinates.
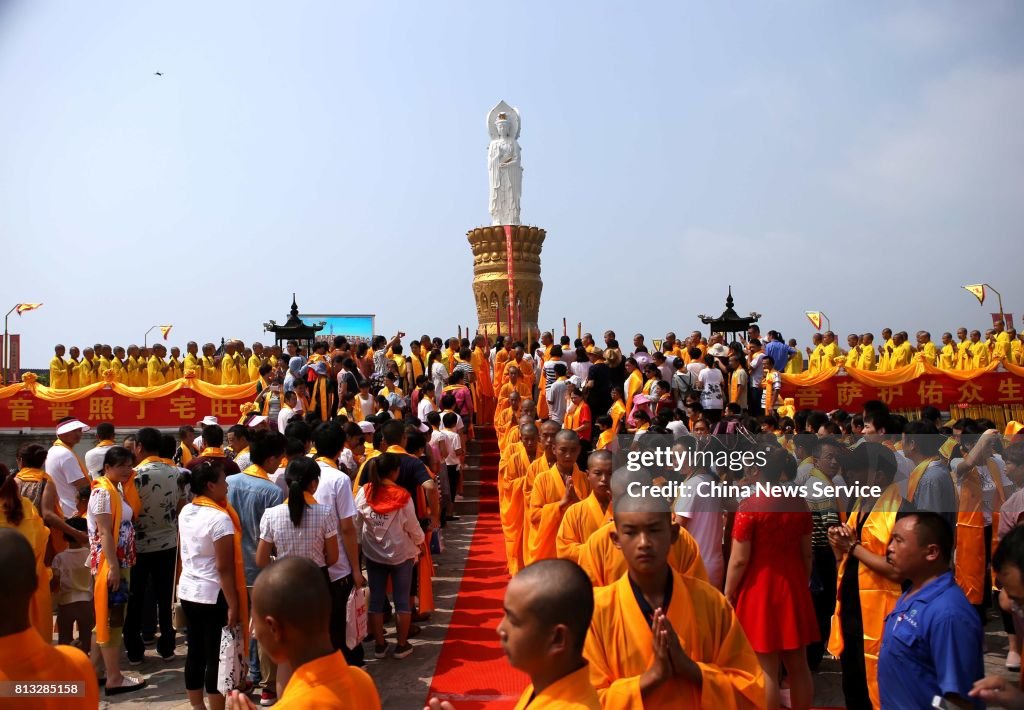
{"type": "Point", "coordinates": [864, 159]}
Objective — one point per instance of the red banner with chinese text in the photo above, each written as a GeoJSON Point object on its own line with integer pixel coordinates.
{"type": "Point", "coordinates": [942, 392]}
{"type": "Point", "coordinates": [185, 406]}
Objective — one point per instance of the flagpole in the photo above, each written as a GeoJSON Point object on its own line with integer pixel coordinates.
{"type": "Point", "coordinates": [981, 301]}
{"type": "Point", "coordinates": [7, 345]}
{"type": "Point", "coordinates": [828, 323]}
{"type": "Point", "coordinates": [144, 337]}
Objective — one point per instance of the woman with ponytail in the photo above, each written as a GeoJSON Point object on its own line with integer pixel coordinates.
{"type": "Point", "coordinates": [111, 557]}
{"type": "Point", "coordinates": [17, 512]}
{"type": "Point", "coordinates": [299, 527]}
{"type": "Point", "coordinates": [212, 583]}
{"type": "Point", "coordinates": [391, 537]}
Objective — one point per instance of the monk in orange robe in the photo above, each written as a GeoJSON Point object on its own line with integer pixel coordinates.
{"type": "Point", "coordinates": [24, 656]}
{"type": "Point", "coordinates": [660, 639]}
{"type": "Point", "coordinates": [511, 475]}
{"type": "Point", "coordinates": [546, 432]}
{"type": "Point", "coordinates": [506, 414]}
{"type": "Point", "coordinates": [483, 388]}
{"type": "Point", "coordinates": [527, 410]}
{"type": "Point", "coordinates": [583, 519]}
{"type": "Point", "coordinates": [526, 370]}
{"type": "Point", "coordinates": [291, 608]}
{"type": "Point", "coordinates": [553, 492]}
{"type": "Point", "coordinates": [548, 610]}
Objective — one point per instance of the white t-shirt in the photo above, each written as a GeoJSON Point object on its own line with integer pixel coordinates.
{"type": "Point", "coordinates": [94, 459]}
{"type": "Point", "coordinates": [757, 369]}
{"type": "Point", "coordinates": [285, 416]}
{"type": "Point", "coordinates": [62, 467]}
{"type": "Point", "coordinates": [580, 369]}
{"type": "Point", "coordinates": [694, 368]}
{"type": "Point", "coordinates": [988, 486]}
{"type": "Point", "coordinates": [458, 422]}
{"type": "Point", "coordinates": [424, 408]}
{"type": "Point", "coordinates": [365, 404]}
{"type": "Point", "coordinates": [198, 528]}
{"type": "Point", "coordinates": [335, 491]}
{"type": "Point", "coordinates": [704, 523]}
{"type": "Point", "coordinates": [711, 394]}
{"type": "Point", "coordinates": [454, 443]}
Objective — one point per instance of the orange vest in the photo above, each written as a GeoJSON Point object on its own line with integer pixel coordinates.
{"type": "Point", "coordinates": [878, 595]}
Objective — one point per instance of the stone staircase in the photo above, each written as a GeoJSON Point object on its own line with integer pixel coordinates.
{"type": "Point", "coordinates": [480, 475]}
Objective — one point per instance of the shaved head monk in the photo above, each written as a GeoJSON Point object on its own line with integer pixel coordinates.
{"type": "Point", "coordinates": [553, 492]}
{"type": "Point", "coordinates": [660, 639]}
{"type": "Point", "coordinates": [583, 519]}
{"type": "Point", "coordinates": [291, 611]}
{"type": "Point", "coordinates": [511, 475]}
{"type": "Point", "coordinates": [603, 561]}
{"type": "Point", "coordinates": [24, 656]}
{"type": "Point", "coordinates": [548, 609]}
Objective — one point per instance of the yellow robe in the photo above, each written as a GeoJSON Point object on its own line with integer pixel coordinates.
{"type": "Point", "coordinates": [581, 520]}
{"type": "Point", "coordinates": [328, 683]}
{"type": "Point", "coordinates": [154, 371]}
{"type": "Point", "coordinates": [619, 648]}
{"type": "Point", "coordinates": [59, 379]}
{"type": "Point", "coordinates": [253, 367]}
{"type": "Point", "coordinates": [963, 350]}
{"type": "Point", "coordinates": [194, 363]}
{"type": "Point", "coordinates": [852, 359]}
{"type": "Point", "coordinates": [103, 366]}
{"type": "Point", "coordinates": [86, 372]}
{"type": "Point", "coordinates": [829, 353]}
{"type": "Point", "coordinates": [979, 355]}
{"type": "Point", "coordinates": [868, 356]}
{"type": "Point", "coordinates": [136, 377]}
{"type": "Point", "coordinates": [947, 357]}
{"type": "Point", "coordinates": [175, 369]}
{"type": "Point", "coordinates": [604, 563]}
{"type": "Point", "coordinates": [617, 411]}
{"type": "Point", "coordinates": [544, 513]}
{"type": "Point", "coordinates": [795, 364]}
{"type": "Point", "coordinates": [240, 368]}
{"type": "Point", "coordinates": [815, 358]}
{"type": "Point", "coordinates": [878, 596]}
{"type": "Point", "coordinates": [901, 356]}
{"type": "Point", "coordinates": [511, 476]}
{"type": "Point", "coordinates": [928, 350]}
{"type": "Point", "coordinates": [40, 611]}
{"type": "Point", "coordinates": [1002, 346]}
{"type": "Point", "coordinates": [228, 371]}
{"type": "Point", "coordinates": [538, 466]}
{"type": "Point", "coordinates": [210, 371]}
{"type": "Point", "coordinates": [24, 656]}
{"type": "Point", "coordinates": [571, 692]}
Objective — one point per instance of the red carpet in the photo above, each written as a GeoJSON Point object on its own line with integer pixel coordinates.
{"type": "Point", "coordinates": [472, 671]}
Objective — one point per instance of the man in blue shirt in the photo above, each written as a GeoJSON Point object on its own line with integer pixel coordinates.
{"type": "Point", "coordinates": [777, 350]}
{"type": "Point", "coordinates": [932, 643]}
{"type": "Point", "coordinates": [250, 493]}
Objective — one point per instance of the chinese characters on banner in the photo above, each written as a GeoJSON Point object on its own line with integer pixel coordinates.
{"type": "Point", "coordinates": [993, 388]}
{"type": "Point", "coordinates": [186, 406]}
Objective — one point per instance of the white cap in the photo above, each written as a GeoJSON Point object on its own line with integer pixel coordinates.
{"type": "Point", "coordinates": [71, 425]}
{"type": "Point", "coordinates": [209, 420]}
{"type": "Point", "coordinates": [256, 421]}
{"type": "Point", "coordinates": [367, 427]}
{"type": "Point", "coordinates": [424, 428]}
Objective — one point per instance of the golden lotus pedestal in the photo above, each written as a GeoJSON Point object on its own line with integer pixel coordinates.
{"type": "Point", "coordinates": [490, 279]}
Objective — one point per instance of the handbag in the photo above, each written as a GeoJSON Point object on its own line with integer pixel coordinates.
{"type": "Point", "coordinates": [355, 618]}
{"type": "Point", "coordinates": [231, 670]}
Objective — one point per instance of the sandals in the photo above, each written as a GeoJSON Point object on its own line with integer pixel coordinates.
{"type": "Point", "coordinates": [126, 688]}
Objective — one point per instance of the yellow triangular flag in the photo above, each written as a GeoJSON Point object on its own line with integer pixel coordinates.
{"type": "Point", "coordinates": [815, 318]}
{"type": "Point", "coordinates": [22, 307]}
{"type": "Point", "coordinates": [165, 329]}
{"type": "Point", "coordinates": [979, 292]}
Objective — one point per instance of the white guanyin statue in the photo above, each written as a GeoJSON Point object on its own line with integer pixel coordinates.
{"type": "Point", "coordinates": [504, 164]}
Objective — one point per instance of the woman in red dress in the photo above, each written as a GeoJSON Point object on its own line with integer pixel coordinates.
{"type": "Point", "coordinates": [767, 580]}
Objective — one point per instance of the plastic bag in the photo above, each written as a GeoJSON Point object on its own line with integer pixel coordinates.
{"type": "Point", "coordinates": [233, 667]}
{"type": "Point", "coordinates": [355, 617]}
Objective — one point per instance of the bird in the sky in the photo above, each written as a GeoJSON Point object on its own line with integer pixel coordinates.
{"type": "Point", "coordinates": [158, 73]}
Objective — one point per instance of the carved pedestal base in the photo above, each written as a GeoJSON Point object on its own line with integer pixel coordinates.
{"type": "Point", "coordinates": [490, 277]}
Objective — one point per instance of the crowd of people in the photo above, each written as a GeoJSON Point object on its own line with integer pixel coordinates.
{"type": "Point", "coordinates": [343, 470]}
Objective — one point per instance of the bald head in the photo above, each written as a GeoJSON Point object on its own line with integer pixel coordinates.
{"type": "Point", "coordinates": [559, 592]}
{"type": "Point", "coordinates": [567, 436]}
{"type": "Point", "coordinates": [20, 581]}
{"type": "Point", "coordinates": [527, 428]}
{"type": "Point", "coordinates": [631, 493]}
{"type": "Point", "coordinates": [294, 593]}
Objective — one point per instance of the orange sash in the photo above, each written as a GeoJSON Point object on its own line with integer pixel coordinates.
{"type": "Point", "coordinates": [100, 588]}
{"type": "Point", "coordinates": [256, 472]}
{"type": "Point", "coordinates": [915, 477]}
{"type": "Point", "coordinates": [240, 589]}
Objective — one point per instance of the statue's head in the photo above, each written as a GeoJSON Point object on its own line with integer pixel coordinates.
{"type": "Point", "coordinates": [503, 125]}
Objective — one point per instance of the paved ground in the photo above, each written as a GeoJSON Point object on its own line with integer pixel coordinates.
{"type": "Point", "coordinates": [403, 684]}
